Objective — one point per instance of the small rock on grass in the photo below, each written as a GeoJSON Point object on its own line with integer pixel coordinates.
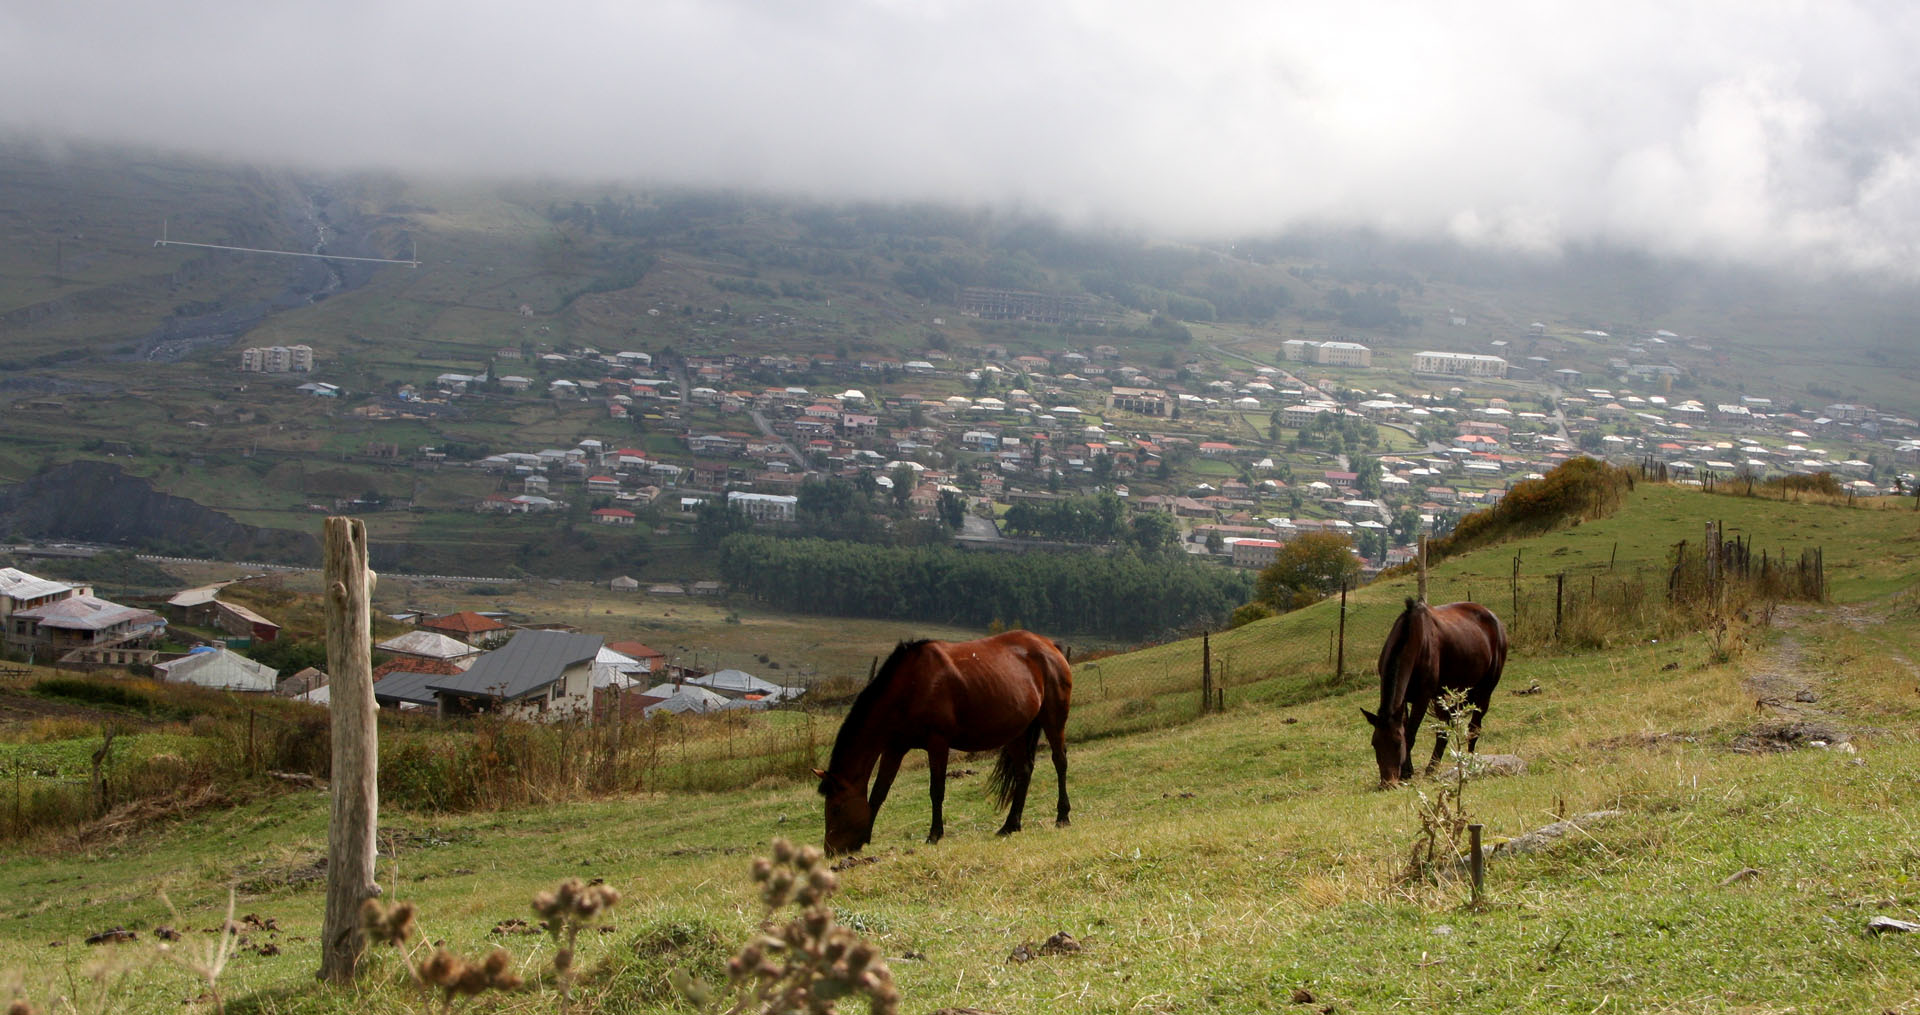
{"type": "Point", "coordinates": [1887, 924]}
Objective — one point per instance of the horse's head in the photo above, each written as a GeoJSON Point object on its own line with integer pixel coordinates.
{"type": "Point", "coordinates": [1389, 748]}
{"type": "Point", "coordinates": [849, 817]}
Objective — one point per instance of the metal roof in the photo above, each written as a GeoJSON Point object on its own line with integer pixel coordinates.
{"type": "Point", "coordinates": [17, 584]}
{"type": "Point", "coordinates": [427, 645]}
{"type": "Point", "coordinates": [401, 686]}
{"type": "Point", "coordinates": [531, 661]}
{"type": "Point", "coordinates": [85, 613]}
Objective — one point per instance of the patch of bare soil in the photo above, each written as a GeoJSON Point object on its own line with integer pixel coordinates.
{"type": "Point", "coordinates": [1786, 690]}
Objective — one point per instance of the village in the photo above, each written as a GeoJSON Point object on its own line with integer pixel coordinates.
{"type": "Point", "coordinates": [459, 664]}
{"type": "Point", "coordinates": [1242, 455]}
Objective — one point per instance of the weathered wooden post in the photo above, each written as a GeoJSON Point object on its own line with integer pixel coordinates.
{"type": "Point", "coordinates": [1477, 861]}
{"type": "Point", "coordinates": [1206, 673]}
{"type": "Point", "coordinates": [1559, 597]}
{"type": "Point", "coordinates": [356, 751]}
{"type": "Point", "coordinates": [1423, 568]}
{"type": "Point", "coordinates": [1340, 660]}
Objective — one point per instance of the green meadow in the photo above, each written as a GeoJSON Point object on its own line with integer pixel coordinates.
{"type": "Point", "coordinates": [1233, 861]}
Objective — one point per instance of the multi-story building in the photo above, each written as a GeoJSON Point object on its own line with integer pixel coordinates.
{"type": "Point", "coordinates": [763, 507]}
{"type": "Point", "coordinates": [277, 359]}
{"type": "Point", "coordinates": [1336, 354]}
{"type": "Point", "coordinates": [1459, 364]}
{"type": "Point", "coordinates": [1145, 401]}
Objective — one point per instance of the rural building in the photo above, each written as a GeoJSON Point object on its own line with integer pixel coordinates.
{"type": "Point", "coordinates": [80, 628]}
{"type": "Point", "coordinates": [1458, 364]}
{"type": "Point", "coordinates": [1145, 401]}
{"type": "Point", "coordinates": [22, 591]}
{"type": "Point", "coordinates": [763, 507]}
{"type": "Point", "coordinates": [277, 359]}
{"type": "Point", "coordinates": [537, 675]}
{"type": "Point", "coordinates": [1257, 553]}
{"type": "Point", "coordinates": [1336, 354]}
{"type": "Point", "coordinates": [424, 644]}
{"type": "Point", "coordinates": [220, 669]}
{"type": "Point", "coordinates": [467, 626]}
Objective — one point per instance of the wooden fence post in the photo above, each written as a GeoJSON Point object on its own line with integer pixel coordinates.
{"type": "Point", "coordinates": [1477, 861]}
{"type": "Point", "coordinates": [1206, 673]}
{"type": "Point", "coordinates": [1340, 660]}
{"type": "Point", "coordinates": [1423, 568]}
{"type": "Point", "coordinates": [356, 752]}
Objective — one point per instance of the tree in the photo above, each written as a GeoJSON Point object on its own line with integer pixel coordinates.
{"type": "Point", "coordinates": [1306, 570]}
{"type": "Point", "coordinates": [1366, 472]}
{"type": "Point", "coordinates": [953, 510]}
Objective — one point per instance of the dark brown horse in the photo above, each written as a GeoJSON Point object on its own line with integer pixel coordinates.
{"type": "Point", "coordinates": [1430, 651]}
{"type": "Point", "coordinates": [939, 696]}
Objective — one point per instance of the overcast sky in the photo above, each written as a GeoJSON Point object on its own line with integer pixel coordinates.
{"type": "Point", "coordinates": [1752, 130]}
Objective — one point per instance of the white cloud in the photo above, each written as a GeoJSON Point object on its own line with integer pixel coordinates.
{"type": "Point", "coordinates": [1756, 131]}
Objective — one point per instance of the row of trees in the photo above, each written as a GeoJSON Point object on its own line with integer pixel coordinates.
{"type": "Point", "coordinates": [1101, 519]}
{"type": "Point", "coordinates": [1121, 595]}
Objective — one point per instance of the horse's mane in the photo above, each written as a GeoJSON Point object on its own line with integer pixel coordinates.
{"type": "Point", "coordinates": [1393, 693]}
{"type": "Point", "coordinates": [863, 704]}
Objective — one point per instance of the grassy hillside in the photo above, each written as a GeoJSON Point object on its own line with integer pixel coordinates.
{"type": "Point", "coordinates": [1217, 863]}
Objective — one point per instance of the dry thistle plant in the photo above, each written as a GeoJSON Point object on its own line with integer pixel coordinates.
{"type": "Point", "coordinates": [1443, 816]}
{"type": "Point", "coordinates": [212, 961]}
{"type": "Point", "coordinates": [454, 976]}
{"type": "Point", "coordinates": [808, 965]}
{"type": "Point", "coordinates": [566, 910]}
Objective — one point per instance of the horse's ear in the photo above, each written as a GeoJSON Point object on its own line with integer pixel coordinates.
{"type": "Point", "coordinates": [1372, 720]}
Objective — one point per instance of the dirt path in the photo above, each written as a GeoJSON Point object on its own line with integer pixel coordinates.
{"type": "Point", "coordinates": [1786, 690]}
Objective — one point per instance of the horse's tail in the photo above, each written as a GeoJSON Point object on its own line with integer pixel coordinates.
{"type": "Point", "coordinates": [1015, 765]}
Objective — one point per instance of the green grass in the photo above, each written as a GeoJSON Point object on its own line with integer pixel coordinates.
{"type": "Point", "coordinates": [1214, 864]}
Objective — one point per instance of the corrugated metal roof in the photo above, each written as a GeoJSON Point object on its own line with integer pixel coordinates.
{"type": "Point", "coordinates": [403, 687]}
{"type": "Point", "coordinates": [427, 645]}
{"type": "Point", "coordinates": [197, 597]}
{"type": "Point", "coordinates": [17, 584]}
{"type": "Point", "coordinates": [531, 661]}
{"type": "Point", "coordinates": [85, 613]}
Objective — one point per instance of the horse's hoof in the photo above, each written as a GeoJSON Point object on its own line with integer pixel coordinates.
{"type": "Point", "coordinates": [1062, 823]}
{"type": "Point", "coordinates": [1008, 831]}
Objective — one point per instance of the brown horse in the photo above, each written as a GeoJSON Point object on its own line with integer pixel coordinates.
{"type": "Point", "coordinates": [1432, 650]}
{"type": "Point", "coordinates": [939, 696]}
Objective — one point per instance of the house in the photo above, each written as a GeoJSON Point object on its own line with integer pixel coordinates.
{"type": "Point", "coordinates": [425, 644]}
{"type": "Point", "coordinates": [22, 591]}
{"type": "Point", "coordinates": [1256, 553]}
{"type": "Point", "coordinates": [80, 627]}
{"type": "Point", "coordinates": [613, 516]}
{"type": "Point", "coordinates": [219, 668]}
{"type": "Point", "coordinates": [537, 675]}
{"type": "Point", "coordinates": [740, 685]}
{"type": "Point", "coordinates": [624, 584]}
{"type": "Point", "coordinates": [650, 659]}
{"type": "Point", "coordinates": [301, 683]}
{"type": "Point", "coordinates": [678, 699]}
{"type": "Point", "coordinates": [467, 626]}
{"type": "Point", "coordinates": [240, 622]}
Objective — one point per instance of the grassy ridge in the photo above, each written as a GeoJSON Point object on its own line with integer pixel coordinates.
{"type": "Point", "coordinates": [1217, 864]}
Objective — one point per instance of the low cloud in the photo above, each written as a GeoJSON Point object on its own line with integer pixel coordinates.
{"type": "Point", "coordinates": [1760, 133]}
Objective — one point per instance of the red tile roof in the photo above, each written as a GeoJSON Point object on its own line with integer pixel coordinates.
{"type": "Point", "coordinates": [465, 622]}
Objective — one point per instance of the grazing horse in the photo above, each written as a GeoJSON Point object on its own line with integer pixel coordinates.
{"type": "Point", "coordinates": [1430, 651]}
{"type": "Point", "coordinates": [939, 696]}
